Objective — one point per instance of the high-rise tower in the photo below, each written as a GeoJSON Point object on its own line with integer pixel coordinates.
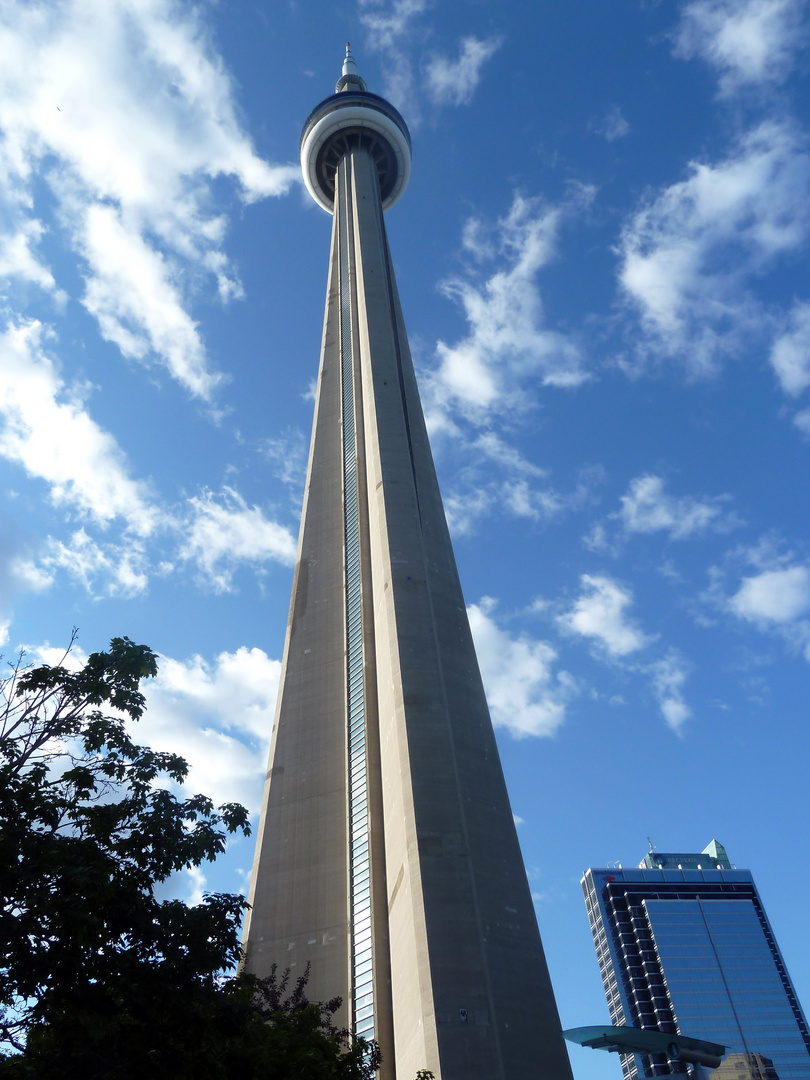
{"type": "Point", "coordinates": [387, 855]}
{"type": "Point", "coordinates": [685, 947]}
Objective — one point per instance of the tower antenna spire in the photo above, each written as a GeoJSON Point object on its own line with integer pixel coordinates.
{"type": "Point", "coordinates": [350, 76]}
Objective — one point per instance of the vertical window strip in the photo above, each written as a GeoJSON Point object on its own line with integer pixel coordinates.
{"type": "Point", "coordinates": [362, 1003]}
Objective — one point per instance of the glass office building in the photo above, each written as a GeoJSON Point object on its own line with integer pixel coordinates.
{"type": "Point", "coordinates": [684, 946]}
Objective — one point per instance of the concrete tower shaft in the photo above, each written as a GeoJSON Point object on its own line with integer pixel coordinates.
{"type": "Point", "coordinates": [387, 855]}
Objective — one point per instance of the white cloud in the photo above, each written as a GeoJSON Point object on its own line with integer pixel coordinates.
{"type": "Point", "coordinates": [109, 568]}
{"type": "Point", "coordinates": [648, 508]}
{"type": "Point", "coordinates": [493, 477]}
{"type": "Point", "coordinates": [26, 575]}
{"type": "Point", "coordinates": [773, 596]}
{"type": "Point", "coordinates": [19, 573]}
{"type": "Point", "coordinates": [389, 23]}
{"type": "Point", "coordinates": [508, 457]}
{"type": "Point", "coordinates": [507, 344]}
{"type": "Point", "coordinates": [138, 307]}
{"type": "Point", "coordinates": [453, 82]}
{"type": "Point", "coordinates": [768, 586]}
{"type": "Point", "coordinates": [600, 613]}
{"type": "Point", "coordinates": [467, 505]}
{"type": "Point", "coordinates": [668, 678]}
{"type": "Point", "coordinates": [689, 254]}
{"type": "Point", "coordinates": [524, 694]}
{"type": "Point", "coordinates": [464, 508]}
{"type": "Point", "coordinates": [197, 885]}
{"type": "Point", "coordinates": [47, 431]}
{"type": "Point", "coordinates": [18, 260]}
{"type": "Point", "coordinates": [614, 125]}
{"type": "Point", "coordinates": [790, 355]}
{"type": "Point", "coordinates": [218, 716]}
{"type": "Point", "coordinates": [526, 500]}
{"type": "Point", "coordinates": [126, 111]}
{"type": "Point", "coordinates": [224, 531]}
{"type": "Point", "coordinates": [596, 539]}
{"type": "Point", "coordinates": [748, 41]}
{"type": "Point", "coordinates": [390, 26]}
{"type": "Point", "coordinates": [287, 455]}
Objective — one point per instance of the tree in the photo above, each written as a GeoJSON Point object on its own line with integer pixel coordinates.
{"type": "Point", "coordinates": [291, 1038]}
{"type": "Point", "coordinates": [98, 978]}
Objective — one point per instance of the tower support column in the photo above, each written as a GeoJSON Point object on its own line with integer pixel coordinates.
{"type": "Point", "coordinates": [419, 913]}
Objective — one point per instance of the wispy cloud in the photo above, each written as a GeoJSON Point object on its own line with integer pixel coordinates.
{"type": "Point", "coordinates": [18, 259]}
{"type": "Point", "coordinates": [477, 498]}
{"type": "Point", "coordinates": [689, 256]}
{"type": "Point", "coordinates": [508, 342]}
{"type": "Point", "coordinates": [103, 568]}
{"type": "Point", "coordinates": [524, 693]}
{"type": "Point", "coordinates": [198, 885]}
{"type": "Point", "coordinates": [600, 614]}
{"type": "Point", "coordinates": [224, 532]}
{"type": "Point", "coordinates": [802, 421]}
{"type": "Point", "coordinates": [647, 508]}
{"type": "Point", "coordinates": [19, 573]}
{"type": "Point", "coordinates": [778, 601]}
{"type": "Point", "coordinates": [389, 22]}
{"type": "Point", "coordinates": [287, 454]}
{"type": "Point", "coordinates": [491, 476]}
{"type": "Point", "coordinates": [749, 42]}
{"type": "Point", "coordinates": [496, 474]}
{"type": "Point", "coordinates": [613, 126]}
{"type": "Point", "coordinates": [391, 26]}
{"type": "Point", "coordinates": [766, 585]}
{"type": "Point", "coordinates": [668, 678]}
{"type": "Point", "coordinates": [126, 111]}
{"type": "Point", "coordinates": [133, 295]}
{"type": "Point", "coordinates": [47, 430]}
{"type": "Point", "coordinates": [790, 356]}
{"type": "Point", "coordinates": [218, 715]}
{"type": "Point", "coordinates": [453, 82]}
{"type": "Point", "coordinates": [773, 596]}
{"type": "Point", "coordinates": [211, 535]}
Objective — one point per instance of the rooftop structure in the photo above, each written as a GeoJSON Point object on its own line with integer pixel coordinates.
{"type": "Point", "coordinates": [684, 946]}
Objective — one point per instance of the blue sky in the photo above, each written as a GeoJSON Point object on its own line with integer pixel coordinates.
{"type": "Point", "coordinates": [602, 256]}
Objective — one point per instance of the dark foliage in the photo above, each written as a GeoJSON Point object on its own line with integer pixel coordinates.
{"type": "Point", "coordinates": [295, 1038]}
{"type": "Point", "coordinates": [242, 1029]}
{"type": "Point", "coordinates": [98, 978]}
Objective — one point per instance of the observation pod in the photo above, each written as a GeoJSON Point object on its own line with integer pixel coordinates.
{"type": "Point", "coordinates": [353, 118]}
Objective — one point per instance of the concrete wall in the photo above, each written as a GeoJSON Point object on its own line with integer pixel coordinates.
{"type": "Point", "coordinates": [471, 994]}
{"type": "Point", "coordinates": [299, 886]}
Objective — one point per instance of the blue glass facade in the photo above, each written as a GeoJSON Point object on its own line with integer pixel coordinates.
{"type": "Point", "coordinates": [690, 951]}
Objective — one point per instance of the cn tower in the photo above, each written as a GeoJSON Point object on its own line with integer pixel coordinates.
{"type": "Point", "coordinates": [387, 857]}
